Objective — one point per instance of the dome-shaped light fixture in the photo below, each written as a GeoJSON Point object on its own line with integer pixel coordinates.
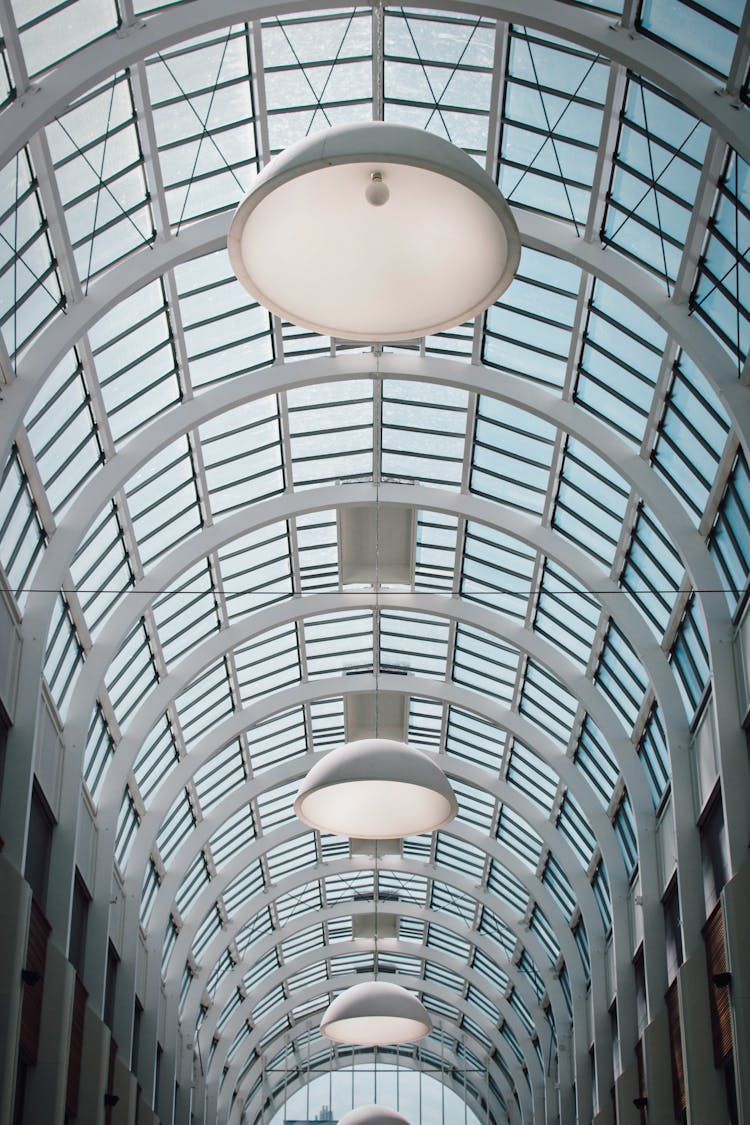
{"type": "Point", "coordinates": [374, 232]}
{"type": "Point", "coordinates": [376, 789]}
{"type": "Point", "coordinates": [373, 1115]}
{"type": "Point", "coordinates": [375, 1014]}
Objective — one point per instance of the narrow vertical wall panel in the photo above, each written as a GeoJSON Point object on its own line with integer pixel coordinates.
{"type": "Point", "coordinates": [15, 895]}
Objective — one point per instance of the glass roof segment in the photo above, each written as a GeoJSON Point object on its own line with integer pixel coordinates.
{"type": "Point", "coordinates": [164, 145]}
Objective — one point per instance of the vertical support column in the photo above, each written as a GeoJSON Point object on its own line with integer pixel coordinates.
{"type": "Point", "coordinates": [15, 895]}
{"type": "Point", "coordinates": [125, 1089]}
{"type": "Point", "coordinates": [658, 1064]}
{"type": "Point", "coordinates": [45, 1096]}
{"type": "Point", "coordinates": [96, 1040]}
{"type": "Point", "coordinates": [706, 1100]}
{"type": "Point", "coordinates": [736, 902]}
{"type": "Point", "coordinates": [626, 1090]}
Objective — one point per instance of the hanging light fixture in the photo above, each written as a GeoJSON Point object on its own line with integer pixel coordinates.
{"type": "Point", "coordinates": [375, 1014]}
{"type": "Point", "coordinates": [376, 789]}
{"type": "Point", "coordinates": [374, 232]}
{"type": "Point", "coordinates": [373, 1115]}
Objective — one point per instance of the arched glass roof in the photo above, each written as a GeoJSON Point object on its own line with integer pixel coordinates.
{"type": "Point", "coordinates": [185, 479]}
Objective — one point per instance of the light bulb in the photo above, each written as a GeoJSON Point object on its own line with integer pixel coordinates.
{"type": "Point", "coordinates": [377, 192]}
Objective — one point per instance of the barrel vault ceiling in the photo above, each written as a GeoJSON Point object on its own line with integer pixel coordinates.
{"type": "Point", "coordinates": [553, 501]}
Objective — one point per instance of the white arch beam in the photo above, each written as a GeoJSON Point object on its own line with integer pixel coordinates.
{"type": "Point", "coordinates": [347, 980]}
{"type": "Point", "coordinates": [419, 953]}
{"type": "Point", "coordinates": [599, 33]}
{"type": "Point", "coordinates": [403, 865]}
{"type": "Point", "coordinates": [297, 1078]}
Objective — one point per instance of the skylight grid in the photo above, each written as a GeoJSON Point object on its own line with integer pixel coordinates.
{"type": "Point", "coordinates": [300, 901]}
{"type": "Point", "coordinates": [101, 569]}
{"type": "Point", "coordinates": [414, 643]}
{"type": "Point", "coordinates": [236, 832]}
{"type": "Point", "coordinates": [591, 502]}
{"type": "Point", "coordinates": [63, 657]}
{"type": "Point", "coordinates": [186, 614]}
{"type": "Point", "coordinates": [440, 937]}
{"type": "Point", "coordinates": [619, 363]}
{"type": "Point", "coordinates": [492, 927]}
{"type": "Point", "coordinates": [512, 455]}
{"type": "Point", "coordinates": [318, 72]}
{"type": "Point", "coordinates": [425, 724]}
{"type": "Point", "coordinates": [255, 570]}
{"type": "Point", "coordinates": [31, 291]}
{"type": "Point", "coordinates": [7, 86]}
{"type": "Point", "coordinates": [531, 775]}
{"type": "Point", "coordinates": [528, 968]}
{"type": "Point", "coordinates": [148, 893]}
{"type": "Point", "coordinates": [176, 826]}
{"type": "Point", "coordinates": [165, 513]}
{"type": "Point", "coordinates": [225, 332]}
{"type": "Point", "coordinates": [552, 114]}
{"type": "Point", "coordinates": [706, 33]}
{"type": "Point", "coordinates": [573, 824]}
{"type": "Point", "coordinates": [259, 925]}
{"type": "Point", "coordinates": [317, 550]}
{"type": "Point", "coordinates": [127, 826]}
{"type": "Point", "coordinates": [497, 570]}
{"type": "Point", "coordinates": [435, 551]}
{"type": "Point", "coordinates": [622, 676]}
{"type": "Point", "coordinates": [55, 30]}
{"type": "Point", "coordinates": [595, 761]}
{"type": "Point", "coordinates": [277, 739]}
{"type": "Point", "coordinates": [566, 614]}
{"type": "Point", "coordinates": [558, 884]}
{"type": "Point", "coordinates": [692, 436]}
{"type": "Point", "coordinates": [205, 702]}
{"type": "Point", "coordinates": [219, 776]}
{"type": "Point", "coordinates": [243, 889]}
{"type": "Point", "coordinates": [242, 455]}
{"type": "Point", "coordinates": [488, 967]}
{"type": "Point", "coordinates": [472, 738]}
{"type": "Point", "coordinates": [131, 674]}
{"type": "Point", "coordinates": [437, 75]}
{"type": "Point", "coordinates": [293, 856]}
{"type": "Point", "coordinates": [315, 414]}
{"type": "Point", "coordinates": [337, 643]}
{"type": "Point", "coordinates": [135, 361]}
{"type": "Point", "coordinates": [484, 663]}
{"type": "Point", "coordinates": [516, 834]}
{"type": "Point", "coordinates": [447, 901]}
{"type": "Point", "coordinates": [201, 96]}
{"type": "Point", "coordinates": [268, 663]}
{"type": "Point", "coordinates": [196, 878]}
{"type": "Point", "coordinates": [457, 855]}
{"type": "Point", "coordinates": [528, 331]}
{"type": "Point", "coordinates": [423, 432]}
{"type": "Point", "coordinates": [729, 542]}
{"type": "Point", "coordinates": [722, 291]}
{"type": "Point", "coordinates": [548, 704]}
{"type": "Point", "coordinates": [99, 166]}
{"type": "Point", "coordinates": [259, 969]}
{"type": "Point", "coordinates": [156, 759]}
{"type": "Point", "coordinates": [64, 438]}
{"type": "Point", "coordinates": [326, 718]}
{"type": "Point", "coordinates": [519, 1007]}
{"type": "Point", "coordinates": [476, 807]}
{"type": "Point", "coordinates": [654, 756]}
{"type": "Point", "coordinates": [689, 656]}
{"type": "Point", "coordinates": [22, 537]}
{"type": "Point", "coordinates": [653, 571]}
{"type": "Point", "coordinates": [100, 749]}
{"type": "Point", "coordinates": [510, 889]}
{"type": "Point", "coordinates": [655, 177]}
{"type": "Point", "coordinates": [276, 806]}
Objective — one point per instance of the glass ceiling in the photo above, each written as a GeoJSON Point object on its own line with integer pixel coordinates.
{"type": "Point", "coordinates": [179, 466]}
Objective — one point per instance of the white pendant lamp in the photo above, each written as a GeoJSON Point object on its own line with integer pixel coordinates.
{"type": "Point", "coordinates": [375, 1014]}
{"type": "Point", "coordinates": [374, 232]}
{"type": "Point", "coordinates": [373, 1115]}
{"type": "Point", "coordinates": [376, 789]}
